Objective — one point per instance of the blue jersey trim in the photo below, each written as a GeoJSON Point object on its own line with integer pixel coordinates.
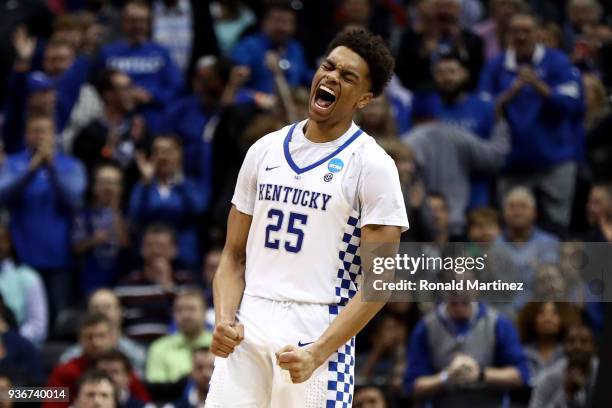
{"type": "Point", "coordinates": [299, 170]}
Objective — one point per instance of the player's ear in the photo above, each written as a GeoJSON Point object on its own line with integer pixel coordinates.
{"type": "Point", "coordinates": [364, 100]}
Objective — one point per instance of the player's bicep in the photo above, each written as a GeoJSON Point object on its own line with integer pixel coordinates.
{"type": "Point", "coordinates": [238, 225]}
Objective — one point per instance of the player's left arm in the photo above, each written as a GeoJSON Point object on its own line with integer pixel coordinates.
{"type": "Point", "coordinates": [301, 362]}
{"type": "Point", "coordinates": [383, 217]}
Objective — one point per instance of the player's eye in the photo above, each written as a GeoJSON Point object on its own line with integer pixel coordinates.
{"type": "Point", "coordinates": [327, 67]}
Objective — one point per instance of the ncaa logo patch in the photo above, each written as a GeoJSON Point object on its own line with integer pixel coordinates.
{"type": "Point", "coordinates": [328, 177]}
{"type": "Point", "coordinates": [335, 165]}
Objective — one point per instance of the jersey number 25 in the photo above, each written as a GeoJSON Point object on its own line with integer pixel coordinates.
{"type": "Point", "coordinates": [296, 220]}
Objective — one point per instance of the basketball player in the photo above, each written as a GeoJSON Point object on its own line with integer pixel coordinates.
{"type": "Point", "coordinates": [306, 196]}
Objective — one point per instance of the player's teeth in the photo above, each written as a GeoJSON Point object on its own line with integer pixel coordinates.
{"type": "Point", "coordinates": [328, 90]}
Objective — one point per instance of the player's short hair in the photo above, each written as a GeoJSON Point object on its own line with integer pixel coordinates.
{"type": "Point", "coordinates": [373, 50]}
{"type": "Point", "coordinates": [116, 355]}
{"type": "Point", "coordinates": [484, 214]}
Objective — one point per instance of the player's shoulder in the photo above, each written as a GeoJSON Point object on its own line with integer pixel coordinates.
{"type": "Point", "coordinates": [372, 157]}
{"type": "Point", "coordinates": [370, 152]}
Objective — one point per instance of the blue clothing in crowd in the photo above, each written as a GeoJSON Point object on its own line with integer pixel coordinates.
{"type": "Point", "coordinates": [41, 204]}
{"type": "Point", "coordinates": [101, 266]}
{"type": "Point", "coordinates": [187, 119]}
{"type": "Point", "coordinates": [541, 127]}
{"type": "Point", "coordinates": [21, 357]}
{"type": "Point", "coordinates": [508, 350]}
{"type": "Point", "coordinates": [150, 66]}
{"type": "Point", "coordinates": [178, 206]}
{"type": "Point", "coordinates": [478, 116]}
{"type": "Point", "coordinates": [67, 87]}
{"type": "Point", "coordinates": [251, 51]}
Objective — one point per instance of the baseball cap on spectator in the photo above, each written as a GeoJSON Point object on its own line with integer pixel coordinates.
{"type": "Point", "coordinates": [39, 81]}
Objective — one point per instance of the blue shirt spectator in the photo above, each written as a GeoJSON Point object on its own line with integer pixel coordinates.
{"type": "Point", "coordinates": [20, 357]}
{"type": "Point", "coordinates": [54, 91]}
{"type": "Point", "coordinates": [470, 331]}
{"type": "Point", "coordinates": [99, 233]}
{"type": "Point", "coordinates": [278, 27]}
{"type": "Point", "coordinates": [165, 196]}
{"type": "Point", "coordinates": [156, 77]}
{"type": "Point", "coordinates": [538, 96]}
{"type": "Point", "coordinates": [41, 189]}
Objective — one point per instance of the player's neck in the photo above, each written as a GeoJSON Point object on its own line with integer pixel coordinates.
{"type": "Point", "coordinates": [321, 132]}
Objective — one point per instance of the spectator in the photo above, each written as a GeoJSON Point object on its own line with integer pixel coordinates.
{"type": "Point", "coordinates": [96, 390]}
{"type": "Point", "coordinates": [277, 29]}
{"type": "Point", "coordinates": [570, 382]}
{"type": "Point", "coordinates": [598, 122]}
{"type": "Point", "coordinates": [157, 79]}
{"type": "Point", "coordinates": [62, 71]}
{"type": "Point", "coordinates": [199, 379]}
{"type": "Point", "coordinates": [539, 95]}
{"type": "Point", "coordinates": [118, 367]}
{"type": "Point", "coordinates": [376, 119]}
{"type": "Point", "coordinates": [483, 225]}
{"type": "Point", "coordinates": [447, 155]}
{"type": "Point", "coordinates": [493, 30]}
{"type": "Point", "coordinates": [230, 20]}
{"type": "Point", "coordinates": [543, 327]}
{"type": "Point", "coordinates": [184, 27]}
{"type": "Point", "coordinates": [67, 28]}
{"type": "Point", "coordinates": [147, 295]}
{"type": "Point", "coordinates": [100, 232]}
{"type": "Point", "coordinates": [524, 244]}
{"type": "Point", "coordinates": [581, 16]}
{"type": "Point", "coordinates": [23, 291]}
{"type": "Point", "coordinates": [165, 195]}
{"type": "Point", "coordinates": [42, 188]}
{"type": "Point", "coordinates": [385, 363]}
{"type": "Point", "coordinates": [441, 220]}
{"type": "Point", "coordinates": [549, 284]}
{"type": "Point", "coordinates": [194, 118]}
{"type": "Point", "coordinates": [118, 133]}
{"type": "Point", "coordinates": [170, 357]}
{"type": "Point", "coordinates": [106, 302]}
{"type": "Point", "coordinates": [18, 356]}
{"type": "Point", "coordinates": [464, 354]}
{"type": "Point", "coordinates": [96, 337]}
{"type": "Point", "coordinates": [419, 49]}
{"type": "Point", "coordinates": [599, 213]}
{"type": "Point", "coordinates": [419, 213]}
{"type": "Point", "coordinates": [457, 107]}
{"type": "Point", "coordinates": [369, 397]}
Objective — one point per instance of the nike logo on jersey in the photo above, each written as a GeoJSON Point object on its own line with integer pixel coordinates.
{"type": "Point", "coordinates": [271, 168]}
{"type": "Point", "coordinates": [296, 196]}
{"type": "Point", "coordinates": [300, 344]}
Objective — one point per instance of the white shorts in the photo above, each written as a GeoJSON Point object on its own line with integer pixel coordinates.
{"type": "Point", "coordinates": [250, 377]}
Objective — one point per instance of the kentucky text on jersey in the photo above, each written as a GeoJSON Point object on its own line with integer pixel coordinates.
{"type": "Point", "coordinates": [297, 196]}
{"type": "Point", "coordinates": [135, 65]}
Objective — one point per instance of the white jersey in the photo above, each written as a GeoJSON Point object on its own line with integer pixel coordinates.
{"type": "Point", "coordinates": [308, 202]}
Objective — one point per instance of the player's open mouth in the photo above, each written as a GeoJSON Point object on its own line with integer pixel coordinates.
{"type": "Point", "coordinates": [324, 97]}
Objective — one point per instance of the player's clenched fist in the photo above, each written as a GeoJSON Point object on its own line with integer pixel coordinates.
{"type": "Point", "coordinates": [299, 362]}
{"type": "Point", "coordinates": [226, 337]}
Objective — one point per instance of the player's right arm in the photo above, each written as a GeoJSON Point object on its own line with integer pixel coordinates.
{"type": "Point", "coordinates": [228, 284]}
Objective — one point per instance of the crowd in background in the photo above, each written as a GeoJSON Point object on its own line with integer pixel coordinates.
{"type": "Point", "coordinates": [124, 124]}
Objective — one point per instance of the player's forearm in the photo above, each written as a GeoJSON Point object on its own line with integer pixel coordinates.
{"type": "Point", "coordinates": [228, 287]}
{"type": "Point", "coordinates": [348, 323]}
